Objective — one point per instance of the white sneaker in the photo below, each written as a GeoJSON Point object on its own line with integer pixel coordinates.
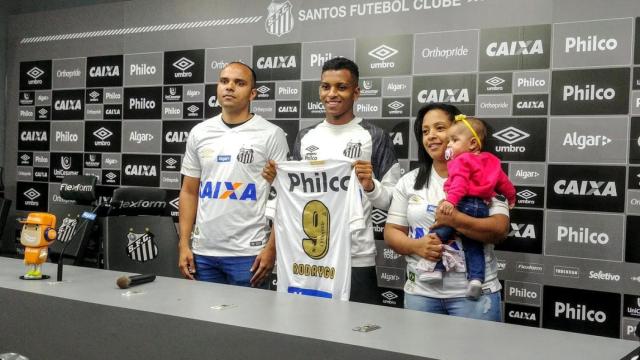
{"type": "Point", "coordinates": [430, 276]}
{"type": "Point", "coordinates": [474, 290]}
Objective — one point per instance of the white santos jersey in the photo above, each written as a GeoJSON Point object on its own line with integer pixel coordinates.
{"type": "Point", "coordinates": [319, 204]}
{"type": "Point", "coordinates": [230, 219]}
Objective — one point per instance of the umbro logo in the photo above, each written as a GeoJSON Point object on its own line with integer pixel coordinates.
{"type": "Point", "coordinates": [32, 194]}
{"type": "Point", "coordinates": [494, 81]}
{"type": "Point", "coordinates": [43, 112]}
{"type": "Point", "coordinates": [511, 135]}
{"type": "Point", "coordinates": [383, 52]}
{"type": "Point", "coordinates": [111, 175]}
{"type": "Point", "coordinates": [35, 72]}
{"type": "Point", "coordinates": [263, 89]}
{"type": "Point", "coordinates": [389, 295]}
{"type": "Point", "coordinates": [94, 95]}
{"type": "Point", "coordinates": [396, 105]}
{"type": "Point", "coordinates": [378, 217]}
{"type": "Point", "coordinates": [193, 109]}
{"type": "Point", "coordinates": [171, 161]}
{"type": "Point", "coordinates": [526, 194]}
{"type": "Point", "coordinates": [183, 64]}
{"type": "Point", "coordinates": [102, 133]}
{"type": "Point", "coordinates": [312, 148]}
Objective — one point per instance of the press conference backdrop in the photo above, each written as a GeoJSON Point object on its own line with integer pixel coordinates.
{"type": "Point", "coordinates": [113, 91]}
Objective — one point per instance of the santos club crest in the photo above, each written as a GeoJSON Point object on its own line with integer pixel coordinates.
{"type": "Point", "coordinates": [279, 21]}
{"type": "Point", "coordinates": [141, 247]}
{"type": "Point", "coordinates": [353, 150]}
{"type": "Point", "coordinates": [66, 230]}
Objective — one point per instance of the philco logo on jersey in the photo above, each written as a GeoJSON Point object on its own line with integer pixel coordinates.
{"type": "Point", "coordinates": [353, 150]}
{"type": "Point", "coordinates": [228, 190]}
{"type": "Point", "coordinates": [141, 247]}
{"type": "Point", "coordinates": [245, 155]}
{"type": "Point", "coordinates": [319, 182]}
{"type": "Point", "coordinates": [311, 153]}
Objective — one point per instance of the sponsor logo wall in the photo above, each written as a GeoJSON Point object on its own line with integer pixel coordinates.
{"type": "Point", "coordinates": [556, 97]}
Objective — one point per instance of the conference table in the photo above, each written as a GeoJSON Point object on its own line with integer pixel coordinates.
{"type": "Point", "coordinates": [86, 316]}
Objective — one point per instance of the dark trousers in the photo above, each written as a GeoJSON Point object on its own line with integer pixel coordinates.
{"type": "Point", "coordinates": [473, 250]}
{"type": "Point", "coordinates": [364, 285]}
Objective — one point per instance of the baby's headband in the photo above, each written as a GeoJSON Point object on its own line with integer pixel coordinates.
{"type": "Point", "coordinates": [463, 118]}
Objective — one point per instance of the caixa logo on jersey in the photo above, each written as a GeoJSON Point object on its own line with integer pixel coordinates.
{"type": "Point", "coordinates": [458, 90]}
{"type": "Point", "coordinates": [277, 62]}
{"type": "Point", "coordinates": [517, 139]}
{"type": "Point", "coordinates": [65, 164]}
{"type": "Point", "coordinates": [143, 103]}
{"type": "Point", "coordinates": [104, 71]}
{"type": "Point", "coordinates": [583, 311]}
{"type": "Point", "coordinates": [526, 232]}
{"type": "Point", "coordinates": [35, 75]}
{"type": "Point", "coordinates": [140, 170]}
{"type": "Point", "coordinates": [174, 136]}
{"type": "Point", "coordinates": [68, 104]}
{"type": "Point", "coordinates": [515, 48]}
{"type": "Point", "coordinates": [181, 67]}
{"type": "Point", "coordinates": [589, 92]}
{"type": "Point", "coordinates": [227, 190]}
{"type": "Point", "coordinates": [34, 135]}
{"type": "Point", "coordinates": [32, 196]}
{"type": "Point", "coordinates": [573, 187]}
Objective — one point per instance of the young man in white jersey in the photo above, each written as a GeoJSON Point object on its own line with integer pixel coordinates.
{"type": "Point", "coordinates": [223, 191]}
{"type": "Point", "coordinates": [344, 136]}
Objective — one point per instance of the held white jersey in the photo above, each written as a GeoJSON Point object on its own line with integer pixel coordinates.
{"type": "Point", "coordinates": [356, 140]}
{"type": "Point", "coordinates": [319, 205]}
{"type": "Point", "coordinates": [230, 219]}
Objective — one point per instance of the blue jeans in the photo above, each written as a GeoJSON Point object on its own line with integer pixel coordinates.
{"type": "Point", "coordinates": [231, 270]}
{"type": "Point", "coordinates": [485, 308]}
{"type": "Point", "coordinates": [473, 250]}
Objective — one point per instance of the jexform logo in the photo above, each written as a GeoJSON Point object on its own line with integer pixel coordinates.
{"type": "Point", "coordinates": [578, 312]}
{"type": "Point", "coordinates": [587, 93]}
{"type": "Point", "coordinates": [510, 135]}
{"type": "Point", "coordinates": [590, 44]}
{"type": "Point", "coordinates": [595, 188]}
{"type": "Point", "coordinates": [506, 48]}
{"type": "Point", "coordinates": [581, 235]}
{"type": "Point", "coordinates": [583, 141]}
{"type": "Point", "coordinates": [183, 64]}
{"type": "Point", "coordinates": [276, 62]}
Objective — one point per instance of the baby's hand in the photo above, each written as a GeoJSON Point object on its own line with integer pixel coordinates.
{"type": "Point", "coordinates": [446, 207]}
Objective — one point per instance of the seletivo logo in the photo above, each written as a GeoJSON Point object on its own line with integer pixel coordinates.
{"type": "Point", "coordinates": [383, 52]}
{"type": "Point", "coordinates": [35, 72]}
{"type": "Point", "coordinates": [280, 20]}
{"type": "Point", "coordinates": [102, 133]}
{"type": "Point", "coordinates": [32, 194]}
{"type": "Point", "coordinates": [601, 275]}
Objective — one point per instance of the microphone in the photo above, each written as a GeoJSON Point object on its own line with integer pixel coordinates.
{"type": "Point", "coordinates": [125, 281]}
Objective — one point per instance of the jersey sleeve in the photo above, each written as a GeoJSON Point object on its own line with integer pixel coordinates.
{"type": "Point", "coordinates": [497, 207]}
{"type": "Point", "coordinates": [354, 203]}
{"type": "Point", "coordinates": [400, 201]}
{"type": "Point", "coordinates": [278, 148]}
{"type": "Point", "coordinates": [190, 162]}
{"type": "Point", "coordinates": [386, 169]}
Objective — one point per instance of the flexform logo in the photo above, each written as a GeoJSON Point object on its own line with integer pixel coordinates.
{"type": "Point", "coordinates": [68, 104]}
{"type": "Point", "coordinates": [277, 62]}
{"type": "Point", "coordinates": [104, 71]}
{"type": "Point", "coordinates": [33, 135]}
{"type": "Point", "coordinates": [526, 232]}
{"type": "Point", "coordinates": [457, 90]}
{"type": "Point", "coordinates": [589, 92]}
{"type": "Point", "coordinates": [518, 139]}
{"type": "Point", "coordinates": [573, 187]}
{"type": "Point", "coordinates": [186, 66]}
{"type": "Point", "coordinates": [140, 170]}
{"type": "Point", "coordinates": [143, 103]}
{"type": "Point", "coordinates": [35, 75]}
{"type": "Point", "coordinates": [515, 48]}
{"type": "Point", "coordinates": [583, 311]}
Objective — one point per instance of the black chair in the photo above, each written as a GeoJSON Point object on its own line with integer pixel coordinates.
{"type": "Point", "coordinates": [138, 237]}
{"type": "Point", "coordinates": [84, 247]}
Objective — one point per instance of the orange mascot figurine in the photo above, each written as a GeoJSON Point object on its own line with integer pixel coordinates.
{"type": "Point", "coordinates": [37, 234]}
